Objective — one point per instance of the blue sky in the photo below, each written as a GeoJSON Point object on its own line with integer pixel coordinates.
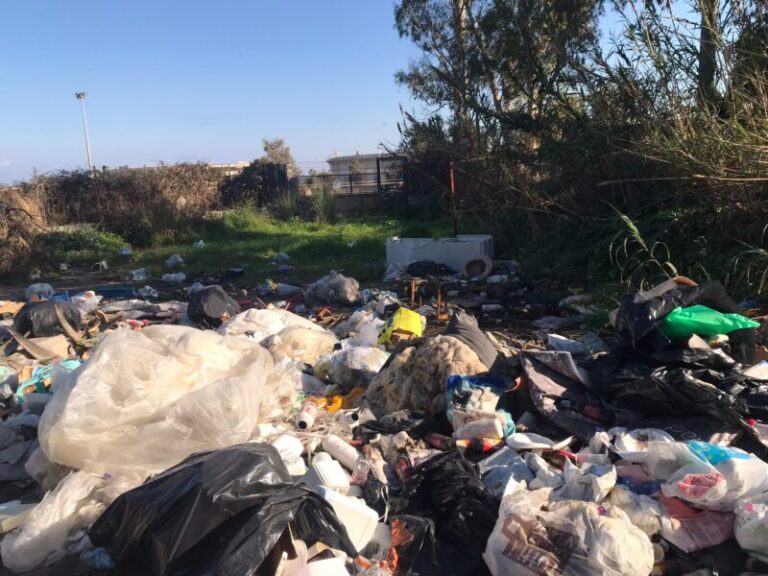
{"type": "Point", "coordinates": [195, 80]}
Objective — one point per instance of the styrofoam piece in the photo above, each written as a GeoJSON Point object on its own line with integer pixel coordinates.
{"type": "Point", "coordinates": [327, 567]}
{"type": "Point", "coordinates": [453, 252]}
{"type": "Point", "coordinates": [329, 474]}
{"type": "Point", "coordinates": [487, 428]}
{"type": "Point", "coordinates": [359, 519]}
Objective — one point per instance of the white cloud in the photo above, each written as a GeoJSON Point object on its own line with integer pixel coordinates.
{"type": "Point", "coordinates": [4, 163]}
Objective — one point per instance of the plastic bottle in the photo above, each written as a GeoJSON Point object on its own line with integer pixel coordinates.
{"type": "Point", "coordinates": [308, 414]}
{"type": "Point", "coordinates": [342, 452]}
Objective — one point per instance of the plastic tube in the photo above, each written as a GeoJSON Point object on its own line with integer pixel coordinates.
{"type": "Point", "coordinates": [342, 452]}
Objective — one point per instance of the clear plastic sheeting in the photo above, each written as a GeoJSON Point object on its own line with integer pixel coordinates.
{"type": "Point", "coordinates": [284, 383]}
{"type": "Point", "coordinates": [259, 324]}
{"type": "Point", "coordinates": [46, 473]}
{"type": "Point", "coordinates": [75, 503]}
{"type": "Point", "coordinates": [146, 400]}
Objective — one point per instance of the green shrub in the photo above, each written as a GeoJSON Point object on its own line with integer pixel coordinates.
{"type": "Point", "coordinates": [324, 203]}
{"type": "Point", "coordinates": [247, 218]}
{"type": "Point", "coordinates": [76, 246]}
{"type": "Point", "coordinates": [284, 206]}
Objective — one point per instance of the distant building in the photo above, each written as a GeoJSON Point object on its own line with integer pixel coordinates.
{"type": "Point", "coordinates": [229, 169]}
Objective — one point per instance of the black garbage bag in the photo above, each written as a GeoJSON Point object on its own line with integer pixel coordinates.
{"type": "Point", "coordinates": [428, 268]}
{"type": "Point", "coordinates": [413, 538]}
{"type": "Point", "coordinates": [217, 512]}
{"type": "Point", "coordinates": [675, 382]}
{"type": "Point", "coordinates": [639, 317]}
{"type": "Point", "coordinates": [209, 306]}
{"type": "Point", "coordinates": [559, 391]}
{"type": "Point", "coordinates": [665, 392]}
{"type": "Point", "coordinates": [448, 490]}
{"type": "Point", "coordinates": [40, 318]}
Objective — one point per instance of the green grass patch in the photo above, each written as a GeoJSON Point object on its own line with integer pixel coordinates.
{"type": "Point", "coordinates": [250, 239]}
{"type": "Point", "coordinates": [75, 245]}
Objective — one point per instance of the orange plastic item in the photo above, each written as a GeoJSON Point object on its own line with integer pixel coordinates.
{"type": "Point", "coordinates": [333, 403]}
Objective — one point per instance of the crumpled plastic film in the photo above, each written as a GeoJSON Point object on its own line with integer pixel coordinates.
{"type": "Point", "coordinates": [300, 344]}
{"type": "Point", "coordinates": [75, 503]}
{"type": "Point", "coordinates": [146, 400]}
{"type": "Point", "coordinates": [259, 324]}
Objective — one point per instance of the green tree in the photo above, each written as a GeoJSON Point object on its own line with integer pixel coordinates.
{"type": "Point", "coordinates": [276, 151]}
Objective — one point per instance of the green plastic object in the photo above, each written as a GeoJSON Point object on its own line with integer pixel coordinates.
{"type": "Point", "coordinates": [703, 321]}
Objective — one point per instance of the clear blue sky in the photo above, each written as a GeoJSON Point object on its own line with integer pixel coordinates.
{"type": "Point", "coordinates": [195, 80]}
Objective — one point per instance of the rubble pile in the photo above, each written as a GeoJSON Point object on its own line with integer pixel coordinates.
{"type": "Point", "coordinates": [377, 432]}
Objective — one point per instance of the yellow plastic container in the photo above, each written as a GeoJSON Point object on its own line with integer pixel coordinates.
{"type": "Point", "coordinates": [403, 321]}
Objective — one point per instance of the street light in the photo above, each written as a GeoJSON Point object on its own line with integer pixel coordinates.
{"type": "Point", "coordinates": [81, 96]}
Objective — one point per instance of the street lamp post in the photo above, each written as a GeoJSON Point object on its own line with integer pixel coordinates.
{"type": "Point", "coordinates": [81, 96]}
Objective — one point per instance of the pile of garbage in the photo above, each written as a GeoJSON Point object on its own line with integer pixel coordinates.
{"type": "Point", "coordinates": [224, 435]}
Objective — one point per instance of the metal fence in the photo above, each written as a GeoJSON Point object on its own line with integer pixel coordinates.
{"type": "Point", "coordinates": [388, 176]}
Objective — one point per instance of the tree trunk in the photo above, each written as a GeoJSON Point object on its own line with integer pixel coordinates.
{"type": "Point", "coordinates": [708, 41]}
{"type": "Point", "coordinates": [460, 61]}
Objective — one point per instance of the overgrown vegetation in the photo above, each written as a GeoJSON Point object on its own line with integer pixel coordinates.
{"type": "Point", "coordinates": [324, 204]}
{"type": "Point", "coordinates": [550, 121]}
{"type": "Point", "coordinates": [285, 205]}
{"type": "Point", "coordinates": [137, 204]}
{"type": "Point", "coordinates": [76, 245]}
{"type": "Point", "coordinates": [22, 219]}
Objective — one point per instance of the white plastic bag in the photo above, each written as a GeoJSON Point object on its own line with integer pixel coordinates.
{"type": "Point", "coordinates": [259, 324]}
{"type": "Point", "coordinates": [175, 278]}
{"type": "Point", "coordinates": [87, 301]}
{"type": "Point", "coordinates": [39, 291]}
{"type": "Point", "coordinates": [174, 261]}
{"type": "Point", "coordinates": [606, 542]}
{"type": "Point", "coordinates": [544, 475]}
{"type": "Point", "coordinates": [502, 467]}
{"type": "Point", "coordinates": [334, 288]}
{"type": "Point", "coordinates": [146, 400]}
{"type": "Point", "coordinates": [707, 475]}
{"type": "Point", "coordinates": [643, 511]}
{"type": "Point", "coordinates": [355, 366]}
{"type": "Point", "coordinates": [588, 482]}
{"type": "Point", "coordinates": [632, 446]}
{"type": "Point", "coordinates": [569, 537]}
{"type": "Point", "coordinates": [752, 526]}
{"type": "Point", "coordinates": [300, 344]}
